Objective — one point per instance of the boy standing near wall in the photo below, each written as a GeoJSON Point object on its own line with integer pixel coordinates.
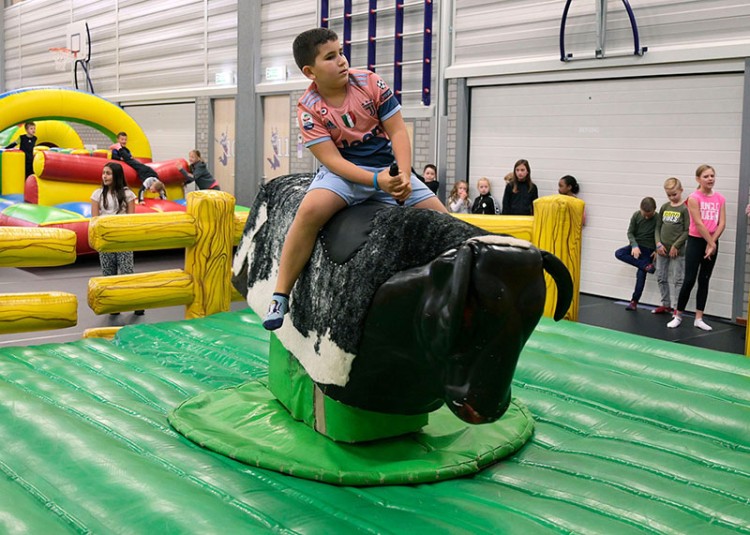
{"type": "Point", "coordinates": [640, 252]}
{"type": "Point", "coordinates": [351, 122]}
{"type": "Point", "coordinates": [671, 234]}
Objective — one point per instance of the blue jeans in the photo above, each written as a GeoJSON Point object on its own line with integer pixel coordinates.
{"type": "Point", "coordinates": [624, 254]}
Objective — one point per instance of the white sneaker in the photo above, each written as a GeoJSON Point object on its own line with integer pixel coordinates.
{"type": "Point", "coordinates": [702, 325]}
{"type": "Point", "coordinates": [676, 321]}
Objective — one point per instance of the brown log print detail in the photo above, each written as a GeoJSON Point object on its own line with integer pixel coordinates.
{"type": "Point", "coordinates": [121, 293]}
{"type": "Point", "coordinates": [25, 312]}
{"type": "Point", "coordinates": [141, 232]}
{"type": "Point", "coordinates": [36, 247]}
{"type": "Point", "coordinates": [209, 261]}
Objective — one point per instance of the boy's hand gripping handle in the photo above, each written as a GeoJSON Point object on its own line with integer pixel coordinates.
{"type": "Point", "coordinates": [393, 171]}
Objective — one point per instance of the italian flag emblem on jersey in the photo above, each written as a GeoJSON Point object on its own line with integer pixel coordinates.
{"type": "Point", "coordinates": [348, 119]}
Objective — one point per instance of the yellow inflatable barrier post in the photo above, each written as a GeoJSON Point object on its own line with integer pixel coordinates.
{"type": "Point", "coordinates": [108, 333]}
{"type": "Point", "coordinates": [142, 232]}
{"type": "Point", "coordinates": [518, 226]}
{"type": "Point", "coordinates": [26, 312]}
{"type": "Point", "coordinates": [120, 293]}
{"type": "Point", "coordinates": [37, 247]}
{"type": "Point", "coordinates": [558, 221]}
{"type": "Point", "coordinates": [209, 260]}
{"type": "Point", "coordinates": [208, 231]}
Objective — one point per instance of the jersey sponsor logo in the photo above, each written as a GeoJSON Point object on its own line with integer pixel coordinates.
{"type": "Point", "coordinates": [307, 122]}
{"type": "Point", "coordinates": [369, 107]}
{"type": "Point", "coordinates": [386, 95]}
{"type": "Point", "coordinates": [369, 135]}
{"type": "Point", "coordinates": [349, 120]}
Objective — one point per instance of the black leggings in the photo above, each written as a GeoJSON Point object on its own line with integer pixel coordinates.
{"type": "Point", "coordinates": [696, 267]}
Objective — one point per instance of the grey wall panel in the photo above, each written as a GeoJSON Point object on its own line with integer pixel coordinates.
{"type": "Point", "coordinates": [145, 46]}
{"type": "Point", "coordinates": [281, 22]}
{"type": "Point", "coordinates": [522, 30]}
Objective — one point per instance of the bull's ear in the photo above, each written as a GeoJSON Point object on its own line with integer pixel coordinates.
{"type": "Point", "coordinates": [450, 277]}
{"type": "Point", "coordinates": [563, 280]}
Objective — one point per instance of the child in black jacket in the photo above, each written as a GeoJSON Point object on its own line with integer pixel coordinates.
{"type": "Point", "coordinates": [485, 203]}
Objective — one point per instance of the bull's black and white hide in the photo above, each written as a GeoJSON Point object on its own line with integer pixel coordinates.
{"type": "Point", "coordinates": [400, 309]}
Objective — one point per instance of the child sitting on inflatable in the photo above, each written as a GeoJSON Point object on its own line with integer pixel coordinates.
{"type": "Point", "coordinates": [146, 174]}
{"type": "Point", "coordinates": [349, 120]}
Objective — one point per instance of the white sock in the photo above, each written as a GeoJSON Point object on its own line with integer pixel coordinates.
{"type": "Point", "coordinates": [676, 321]}
{"type": "Point", "coordinates": [702, 325]}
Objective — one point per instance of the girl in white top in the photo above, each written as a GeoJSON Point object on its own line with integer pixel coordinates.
{"type": "Point", "coordinates": [458, 201]}
{"type": "Point", "coordinates": [114, 197]}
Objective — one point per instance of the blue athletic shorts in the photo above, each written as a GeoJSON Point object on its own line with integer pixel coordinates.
{"type": "Point", "coordinates": [354, 193]}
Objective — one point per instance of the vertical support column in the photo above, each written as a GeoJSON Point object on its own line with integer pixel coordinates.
{"type": "Point", "coordinates": [209, 260]}
{"type": "Point", "coordinates": [372, 34]}
{"type": "Point", "coordinates": [398, 49]}
{"type": "Point", "coordinates": [348, 30]}
{"type": "Point", "coordinates": [248, 111]}
{"type": "Point", "coordinates": [427, 53]}
{"type": "Point", "coordinates": [743, 196]}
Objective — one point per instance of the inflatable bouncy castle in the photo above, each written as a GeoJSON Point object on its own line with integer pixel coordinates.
{"type": "Point", "coordinates": [65, 173]}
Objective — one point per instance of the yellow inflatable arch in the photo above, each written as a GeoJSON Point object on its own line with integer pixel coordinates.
{"type": "Point", "coordinates": [57, 103]}
{"type": "Point", "coordinates": [56, 133]}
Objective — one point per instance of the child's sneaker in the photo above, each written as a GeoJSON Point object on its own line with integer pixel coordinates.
{"type": "Point", "coordinates": [276, 310]}
{"type": "Point", "coordinates": [662, 310]}
{"type": "Point", "coordinates": [676, 321]}
{"type": "Point", "coordinates": [650, 268]}
{"type": "Point", "coordinates": [633, 305]}
{"type": "Point", "coordinates": [702, 325]}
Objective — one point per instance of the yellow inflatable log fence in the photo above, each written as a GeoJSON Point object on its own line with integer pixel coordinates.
{"type": "Point", "coordinates": [555, 227]}
{"type": "Point", "coordinates": [208, 230]}
{"type": "Point", "coordinates": [37, 247]}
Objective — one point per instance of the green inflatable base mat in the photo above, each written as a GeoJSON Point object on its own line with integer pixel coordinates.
{"type": "Point", "coordinates": [248, 424]}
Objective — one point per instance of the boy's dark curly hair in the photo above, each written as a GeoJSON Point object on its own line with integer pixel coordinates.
{"type": "Point", "coordinates": [306, 44]}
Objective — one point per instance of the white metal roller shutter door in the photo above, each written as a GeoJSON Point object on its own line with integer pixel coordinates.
{"type": "Point", "coordinates": [170, 128]}
{"type": "Point", "coordinates": [621, 139]}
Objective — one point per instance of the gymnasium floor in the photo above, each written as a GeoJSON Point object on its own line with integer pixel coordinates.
{"type": "Point", "coordinates": [74, 279]}
{"type": "Point", "coordinates": [599, 311]}
{"type": "Point", "coordinates": [611, 314]}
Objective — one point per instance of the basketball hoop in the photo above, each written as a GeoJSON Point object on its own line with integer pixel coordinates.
{"type": "Point", "coordinates": [63, 57]}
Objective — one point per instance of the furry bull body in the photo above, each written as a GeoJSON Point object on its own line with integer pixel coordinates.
{"type": "Point", "coordinates": [400, 310]}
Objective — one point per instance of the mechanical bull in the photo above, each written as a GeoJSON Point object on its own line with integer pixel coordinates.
{"type": "Point", "coordinates": [401, 310]}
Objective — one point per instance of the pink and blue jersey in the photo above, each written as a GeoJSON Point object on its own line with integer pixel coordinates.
{"type": "Point", "coordinates": [355, 127]}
